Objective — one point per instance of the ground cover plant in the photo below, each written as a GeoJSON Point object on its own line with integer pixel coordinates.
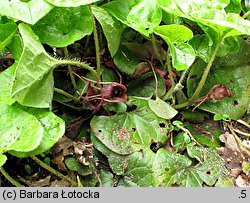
{"type": "Point", "coordinates": [148, 93]}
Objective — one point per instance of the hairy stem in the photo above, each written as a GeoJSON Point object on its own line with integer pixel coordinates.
{"type": "Point", "coordinates": [55, 172]}
{"type": "Point", "coordinates": [78, 63]}
{"type": "Point", "coordinates": [246, 14]}
{"type": "Point", "coordinates": [66, 53]}
{"type": "Point", "coordinates": [10, 179]}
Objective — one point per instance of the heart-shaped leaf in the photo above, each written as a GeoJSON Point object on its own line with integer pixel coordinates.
{"type": "Point", "coordinates": [63, 26]}
{"type": "Point", "coordinates": [29, 12]}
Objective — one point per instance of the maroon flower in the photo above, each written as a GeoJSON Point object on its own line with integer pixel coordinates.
{"type": "Point", "coordinates": [115, 91]}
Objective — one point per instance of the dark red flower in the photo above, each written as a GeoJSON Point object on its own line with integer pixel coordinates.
{"type": "Point", "coordinates": [115, 91]}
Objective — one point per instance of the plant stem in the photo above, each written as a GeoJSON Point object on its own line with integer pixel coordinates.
{"type": "Point", "coordinates": [246, 14]}
{"type": "Point", "coordinates": [156, 50]}
{"type": "Point", "coordinates": [10, 179]}
{"type": "Point", "coordinates": [50, 169]}
{"type": "Point", "coordinates": [169, 67]}
{"type": "Point", "coordinates": [60, 91]}
{"type": "Point", "coordinates": [202, 81]}
{"type": "Point", "coordinates": [66, 53]}
{"type": "Point", "coordinates": [97, 47]}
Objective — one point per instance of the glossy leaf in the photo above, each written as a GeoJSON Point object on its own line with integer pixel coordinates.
{"type": "Point", "coordinates": [141, 15]}
{"type": "Point", "coordinates": [236, 68]}
{"type": "Point", "coordinates": [144, 86]}
{"type": "Point", "coordinates": [208, 13]}
{"type": "Point", "coordinates": [139, 171]}
{"type": "Point", "coordinates": [183, 54]}
{"type": "Point", "coordinates": [7, 31]}
{"type": "Point", "coordinates": [161, 108]}
{"type": "Point", "coordinates": [70, 3]}
{"type": "Point", "coordinates": [53, 130]}
{"type": "Point", "coordinates": [33, 79]}
{"type": "Point", "coordinates": [29, 12]}
{"type": "Point", "coordinates": [64, 26]}
{"type": "Point", "coordinates": [125, 61]}
{"type": "Point", "coordinates": [21, 131]}
{"type": "Point", "coordinates": [112, 28]}
{"type": "Point", "coordinates": [129, 132]}
{"type": "Point", "coordinates": [202, 48]}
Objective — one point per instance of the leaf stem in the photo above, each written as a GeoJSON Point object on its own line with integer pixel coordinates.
{"type": "Point", "coordinates": [156, 50]}
{"type": "Point", "coordinates": [66, 53]}
{"type": "Point", "coordinates": [169, 67]}
{"type": "Point", "coordinates": [246, 14]}
{"type": "Point", "coordinates": [202, 81]}
{"type": "Point", "coordinates": [97, 47]}
{"type": "Point", "coordinates": [66, 94]}
{"type": "Point", "coordinates": [10, 179]}
{"type": "Point", "coordinates": [55, 172]}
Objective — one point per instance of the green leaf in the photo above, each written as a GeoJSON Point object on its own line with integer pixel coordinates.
{"type": "Point", "coordinates": [125, 61]}
{"type": "Point", "coordinates": [3, 159]}
{"type": "Point", "coordinates": [234, 6]}
{"type": "Point", "coordinates": [64, 26]}
{"type": "Point", "coordinates": [141, 15]}
{"type": "Point", "coordinates": [53, 130]}
{"type": "Point", "coordinates": [29, 12]}
{"type": "Point", "coordinates": [70, 3]}
{"type": "Point", "coordinates": [6, 78]}
{"type": "Point", "coordinates": [167, 164]}
{"type": "Point", "coordinates": [236, 69]}
{"type": "Point", "coordinates": [21, 131]}
{"type": "Point", "coordinates": [144, 86]}
{"type": "Point", "coordinates": [7, 31]}
{"type": "Point", "coordinates": [212, 168]}
{"type": "Point", "coordinates": [145, 15]}
{"type": "Point", "coordinates": [162, 109]}
{"type": "Point", "coordinates": [128, 132]}
{"type": "Point", "coordinates": [183, 54]}
{"type": "Point", "coordinates": [73, 165]}
{"type": "Point", "coordinates": [200, 43]}
{"type": "Point", "coordinates": [111, 27]}
{"type": "Point", "coordinates": [180, 141]}
{"type": "Point", "coordinates": [107, 178]}
{"type": "Point", "coordinates": [139, 171]}
{"type": "Point", "coordinates": [209, 13]}
{"type": "Point", "coordinates": [33, 79]}
{"type": "Point", "coordinates": [16, 47]}
{"type": "Point", "coordinates": [116, 161]}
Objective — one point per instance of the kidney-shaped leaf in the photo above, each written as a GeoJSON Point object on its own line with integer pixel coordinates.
{"type": "Point", "coordinates": [128, 132]}
{"type": "Point", "coordinates": [70, 3]}
{"type": "Point", "coordinates": [29, 12]}
{"type": "Point", "coordinates": [236, 69]}
{"type": "Point", "coordinates": [63, 26]}
{"type": "Point", "coordinates": [53, 130]}
{"type": "Point", "coordinates": [33, 79]}
{"type": "Point", "coordinates": [183, 54]}
{"type": "Point", "coordinates": [19, 130]}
